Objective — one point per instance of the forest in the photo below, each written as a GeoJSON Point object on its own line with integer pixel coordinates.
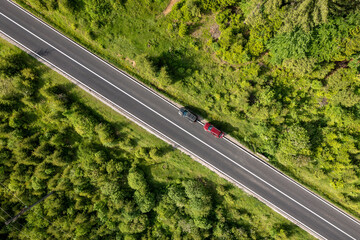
{"type": "Point", "coordinates": [281, 76]}
{"type": "Point", "coordinates": [110, 178]}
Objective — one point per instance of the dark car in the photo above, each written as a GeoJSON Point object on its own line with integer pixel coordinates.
{"type": "Point", "coordinates": [213, 130]}
{"type": "Point", "coordinates": [187, 114]}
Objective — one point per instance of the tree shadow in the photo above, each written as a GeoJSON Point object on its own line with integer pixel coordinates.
{"type": "Point", "coordinates": [62, 91]}
{"type": "Point", "coordinates": [118, 127]}
{"type": "Point", "coordinates": [193, 27]}
{"type": "Point", "coordinates": [243, 211]}
{"type": "Point", "coordinates": [178, 63]}
{"type": "Point", "coordinates": [158, 188]}
{"type": "Point", "coordinates": [314, 128]}
{"type": "Point", "coordinates": [123, 2]}
{"type": "Point", "coordinates": [353, 198]}
{"type": "Point", "coordinates": [252, 98]}
{"type": "Point", "coordinates": [16, 62]}
{"type": "Point", "coordinates": [162, 151]}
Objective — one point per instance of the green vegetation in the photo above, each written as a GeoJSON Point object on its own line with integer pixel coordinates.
{"type": "Point", "coordinates": [112, 179]}
{"type": "Point", "coordinates": [280, 76]}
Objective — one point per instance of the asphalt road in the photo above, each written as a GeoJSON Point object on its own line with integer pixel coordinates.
{"type": "Point", "coordinates": [289, 198]}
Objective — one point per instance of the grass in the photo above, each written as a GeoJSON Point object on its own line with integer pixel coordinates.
{"type": "Point", "coordinates": [199, 80]}
{"type": "Point", "coordinates": [174, 164]}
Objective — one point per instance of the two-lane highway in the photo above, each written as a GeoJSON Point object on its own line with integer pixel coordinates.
{"type": "Point", "coordinates": [286, 196]}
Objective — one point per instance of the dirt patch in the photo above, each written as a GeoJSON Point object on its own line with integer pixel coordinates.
{"type": "Point", "coordinates": [169, 7]}
{"type": "Point", "coordinates": [215, 31]}
{"type": "Point", "coordinates": [133, 63]}
{"type": "Point", "coordinates": [323, 102]}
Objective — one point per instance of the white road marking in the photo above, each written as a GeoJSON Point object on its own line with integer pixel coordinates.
{"type": "Point", "coordinates": [178, 126]}
{"type": "Point", "coordinates": [154, 129]}
{"type": "Point", "coordinates": [293, 181]}
{"type": "Point", "coordinates": [155, 93]}
{"type": "Point", "coordinates": [94, 55]}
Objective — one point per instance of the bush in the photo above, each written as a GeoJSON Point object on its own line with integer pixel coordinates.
{"type": "Point", "coordinates": [136, 179]}
{"type": "Point", "coordinates": [289, 45]}
{"type": "Point", "coordinates": [38, 4]}
{"type": "Point", "coordinates": [71, 6]}
{"type": "Point", "coordinates": [183, 28]}
{"type": "Point", "coordinates": [82, 120]}
{"type": "Point", "coordinates": [106, 134]}
{"type": "Point", "coordinates": [144, 199]}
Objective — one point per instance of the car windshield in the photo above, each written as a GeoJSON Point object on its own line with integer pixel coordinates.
{"type": "Point", "coordinates": [210, 127]}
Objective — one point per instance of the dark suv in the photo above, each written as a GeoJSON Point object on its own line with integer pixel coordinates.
{"type": "Point", "coordinates": [187, 114]}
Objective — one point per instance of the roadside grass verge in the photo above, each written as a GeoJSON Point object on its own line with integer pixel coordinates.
{"type": "Point", "coordinates": [81, 185]}
{"type": "Point", "coordinates": [197, 78]}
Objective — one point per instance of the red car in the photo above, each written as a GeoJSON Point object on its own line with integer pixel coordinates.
{"type": "Point", "coordinates": [213, 130]}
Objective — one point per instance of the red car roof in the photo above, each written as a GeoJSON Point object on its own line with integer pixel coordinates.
{"type": "Point", "coordinates": [213, 130]}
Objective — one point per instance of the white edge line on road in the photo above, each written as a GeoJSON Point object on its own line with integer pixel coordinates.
{"type": "Point", "coordinates": [94, 55]}
{"type": "Point", "coordinates": [170, 103]}
{"type": "Point", "coordinates": [160, 133]}
{"type": "Point", "coordinates": [220, 153]}
{"type": "Point", "coordinates": [293, 181]}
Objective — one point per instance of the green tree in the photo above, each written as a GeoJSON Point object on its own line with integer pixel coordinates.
{"type": "Point", "coordinates": [18, 119]}
{"type": "Point", "coordinates": [136, 225]}
{"type": "Point", "coordinates": [310, 13]}
{"type": "Point", "coordinates": [295, 141]}
{"type": "Point", "coordinates": [163, 77]}
{"type": "Point", "coordinates": [98, 12]}
{"type": "Point", "coordinates": [136, 179]}
{"type": "Point", "coordinates": [71, 6]}
{"type": "Point", "coordinates": [38, 4]}
{"type": "Point", "coordinates": [199, 200]}
{"type": "Point", "coordinates": [147, 68]}
{"type": "Point", "coordinates": [300, 67]}
{"type": "Point", "coordinates": [289, 45]}
{"type": "Point", "coordinates": [144, 199]}
{"type": "Point", "coordinates": [107, 135]}
{"type": "Point", "coordinates": [183, 28]}
{"type": "Point", "coordinates": [177, 194]}
{"type": "Point", "coordinates": [83, 121]}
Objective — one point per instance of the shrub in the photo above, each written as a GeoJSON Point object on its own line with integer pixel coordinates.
{"type": "Point", "coordinates": [183, 28]}
{"type": "Point", "coordinates": [136, 179]}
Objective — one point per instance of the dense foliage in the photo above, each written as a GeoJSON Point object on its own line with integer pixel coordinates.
{"type": "Point", "coordinates": [111, 180]}
{"type": "Point", "coordinates": [282, 76]}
